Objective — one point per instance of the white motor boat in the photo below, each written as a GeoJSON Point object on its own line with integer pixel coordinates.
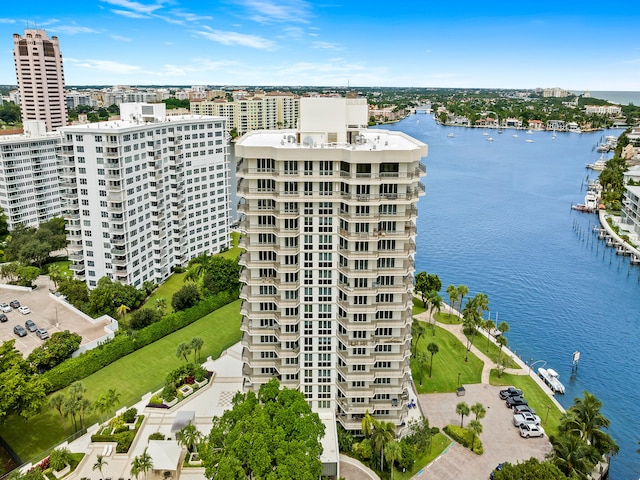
{"type": "Point", "coordinates": [551, 378]}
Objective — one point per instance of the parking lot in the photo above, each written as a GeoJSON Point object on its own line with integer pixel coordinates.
{"type": "Point", "coordinates": [46, 313]}
{"type": "Point", "coordinates": [500, 438]}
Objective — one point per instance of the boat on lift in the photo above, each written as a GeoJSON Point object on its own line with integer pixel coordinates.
{"type": "Point", "coordinates": [552, 379]}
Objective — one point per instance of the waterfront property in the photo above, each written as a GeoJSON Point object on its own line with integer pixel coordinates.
{"type": "Point", "coordinates": [329, 214]}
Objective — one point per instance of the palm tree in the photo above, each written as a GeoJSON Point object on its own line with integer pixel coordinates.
{"type": "Point", "coordinates": [198, 266]}
{"type": "Point", "coordinates": [183, 350]}
{"type": "Point", "coordinates": [70, 407]}
{"type": "Point", "coordinates": [476, 428]}
{"type": "Point", "coordinates": [122, 310]}
{"type": "Point", "coordinates": [145, 462]}
{"type": "Point", "coordinates": [161, 304]}
{"type": "Point", "coordinates": [84, 406]}
{"type": "Point", "coordinates": [421, 358]}
{"type": "Point", "coordinates": [585, 420]}
{"type": "Point", "coordinates": [393, 452]}
{"type": "Point", "coordinates": [502, 342]}
{"type": "Point", "coordinates": [470, 321]}
{"type": "Point", "coordinates": [135, 467]}
{"type": "Point", "coordinates": [452, 291]}
{"type": "Point", "coordinates": [489, 325]}
{"type": "Point", "coordinates": [462, 409]}
{"type": "Point", "coordinates": [112, 398]}
{"type": "Point", "coordinates": [189, 436]}
{"type": "Point", "coordinates": [418, 330]}
{"type": "Point", "coordinates": [479, 410]}
{"type": "Point", "coordinates": [435, 302]}
{"type": "Point", "coordinates": [100, 464]}
{"type": "Point", "coordinates": [462, 291]}
{"type": "Point", "coordinates": [196, 345]}
{"type": "Point", "coordinates": [432, 348]}
{"type": "Point", "coordinates": [55, 274]}
{"type": "Point", "coordinates": [383, 433]}
{"type": "Point", "coordinates": [57, 401]}
{"type": "Point", "coordinates": [368, 423]}
{"type": "Point", "coordinates": [59, 458]}
{"type": "Point", "coordinates": [574, 456]}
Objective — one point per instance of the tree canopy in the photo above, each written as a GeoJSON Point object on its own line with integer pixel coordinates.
{"type": "Point", "coordinates": [273, 435]}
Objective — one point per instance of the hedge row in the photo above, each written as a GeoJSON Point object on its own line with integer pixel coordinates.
{"type": "Point", "coordinates": [75, 369]}
{"type": "Point", "coordinates": [464, 436]}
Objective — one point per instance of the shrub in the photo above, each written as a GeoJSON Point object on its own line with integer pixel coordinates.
{"type": "Point", "coordinates": [156, 436]}
{"type": "Point", "coordinates": [185, 298]}
{"type": "Point", "coordinates": [155, 400]}
{"type": "Point", "coordinates": [168, 394]}
{"type": "Point", "coordinates": [464, 436]}
{"type": "Point", "coordinates": [129, 415]}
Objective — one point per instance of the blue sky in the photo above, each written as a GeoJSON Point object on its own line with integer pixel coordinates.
{"type": "Point", "coordinates": [494, 44]}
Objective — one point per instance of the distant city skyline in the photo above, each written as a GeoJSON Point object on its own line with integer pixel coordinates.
{"type": "Point", "coordinates": [464, 44]}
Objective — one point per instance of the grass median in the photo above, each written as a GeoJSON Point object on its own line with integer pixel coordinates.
{"type": "Point", "coordinates": [132, 376]}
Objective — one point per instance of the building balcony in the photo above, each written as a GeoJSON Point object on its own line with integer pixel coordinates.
{"type": "Point", "coordinates": [77, 267]}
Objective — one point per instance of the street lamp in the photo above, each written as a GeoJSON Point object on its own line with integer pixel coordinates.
{"type": "Point", "coordinates": [459, 379]}
{"type": "Point", "coordinates": [547, 415]}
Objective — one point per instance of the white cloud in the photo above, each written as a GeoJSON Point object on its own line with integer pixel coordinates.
{"type": "Point", "coordinates": [128, 14]}
{"type": "Point", "coordinates": [265, 11]}
{"type": "Point", "coordinates": [235, 38]}
{"type": "Point", "coordinates": [191, 17]}
{"type": "Point", "coordinates": [7, 20]}
{"type": "Point", "coordinates": [137, 7]}
{"type": "Point", "coordinates": [327, 45]}
{"type": "Point", "coordinates": [120, 38]}
{"type": "Point", "coordinates": [104, 66]}
{"type": "Point", "coordinates": [72, 29]}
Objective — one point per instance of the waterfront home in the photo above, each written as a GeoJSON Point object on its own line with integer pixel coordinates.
{"type": "Point", "coordinates": [557, 125]}
{"type": "Point", "coordinates": [511, 123]}
{"type": "Point", "coordinates": [536, 125]}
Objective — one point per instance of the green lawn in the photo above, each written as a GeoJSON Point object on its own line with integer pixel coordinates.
{"type": "Point", "coordinates": [132, 376]}
{"type": "Point", "coordinates": [491, 350]}
{"type": "Point", "coordinates": [418, 306]}
{"type": "Point", "coordinates": [439, 444]}
{"type": "Point", "coordinates": [235, 251]}
{"type": "Point", "coordinates": [448, 318]}
{"type": "Point", "coordinates": [447, 363]}
{"type": "Point", "coordinates": [535, 395]}
{"type": "Point", "coordinates": [174, 283]}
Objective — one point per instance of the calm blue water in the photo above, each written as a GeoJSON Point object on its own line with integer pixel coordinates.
{"type": "Point", "coordinates": [619, 97]}
{"type": "Point", "coordinates": [497, 218]}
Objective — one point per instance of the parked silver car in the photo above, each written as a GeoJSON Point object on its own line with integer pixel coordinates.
{"type": "Point", "coordinates": [525, 417]}
{"type": "Point", "coordinates": [527, 430]}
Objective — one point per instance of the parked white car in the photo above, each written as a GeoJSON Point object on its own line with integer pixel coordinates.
{"type": "Point", "coordinates": [5, 307]}
{"type": "Point", "coordinates": [23, 309]}
{"type": "Point", "coordinates": [525, 417]}
{"type": "Point", "coordinates": [527, 430]}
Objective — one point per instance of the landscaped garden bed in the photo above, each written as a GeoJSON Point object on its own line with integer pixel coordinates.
{"type": "Point", "coordinates": [179, 384]}
{"type": "Point", "coordinates": [118, 430]}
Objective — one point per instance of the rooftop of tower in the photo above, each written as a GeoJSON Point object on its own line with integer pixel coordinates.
{"type": "Point", "coordinates": [364, 140]}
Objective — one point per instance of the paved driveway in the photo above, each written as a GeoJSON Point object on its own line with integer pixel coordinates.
{"type": "Point", "coordinates": [46, 313]}
{"type": "Point", "coordinates": [500, 439]}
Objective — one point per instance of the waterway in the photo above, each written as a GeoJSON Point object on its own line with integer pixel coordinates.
{"type": "Point", "coordinates": [496, 217]}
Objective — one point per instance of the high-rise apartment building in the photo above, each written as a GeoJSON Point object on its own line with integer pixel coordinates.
{"type": "Point", "coordinates": [144, 193]}
{"type": "Point", "coordinates": [40, 78]}
{"type": "Point", "coordinates": [30, 176]}
{"type": "Point", "coordinates": [329, 212]}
